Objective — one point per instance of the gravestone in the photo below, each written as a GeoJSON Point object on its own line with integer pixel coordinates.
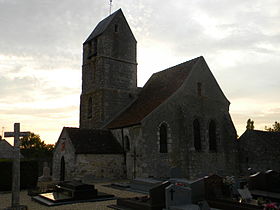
{"type": "Point", "coordinates": [272, 181]}
{"type": "Point", "coordinates": [245, 194]}
{"type": "Point", "coordinates": [177, 195]}
{"type": "Point", "coordinates": [257, 181]}
{"type": "Point", "coordinates": [157, 194]}
{"type": "Point", "coordinates": [46, 174]}
{"type": "Point", "coordinates": [71, 192]}
{"type": "Point", "coordinates": [155, 200]}
{"type": "Point", "coordinates": [213, 187]}
{"type": "Point", "coordinates": [197, 187]}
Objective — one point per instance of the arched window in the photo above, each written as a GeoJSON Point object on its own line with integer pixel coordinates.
{"type": "Point", "coordinates": [196, 134]}
{"type": "Point", "coordinates": [212, 136]}
{"type": "Point", "coordinates": [163, 138]}
{"type": "Point", "coordinates": [89, 107]}
{"type": "Point", "coordinates": [126, 143]}
{"type": "Point", "coordinates": [62, 169]}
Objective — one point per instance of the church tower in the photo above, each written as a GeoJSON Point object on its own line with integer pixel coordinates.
{"type": "Point", "coordinates": [109, 71]}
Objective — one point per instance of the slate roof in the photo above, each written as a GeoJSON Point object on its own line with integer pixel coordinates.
{"type": "Point", "coordinates": [102, 25]}
{"type": "Point", "coordinates": [159, 88]}
{"type": "Point", "coordinates": [93, 141]}
{"type": "Point", "coordinates": [272, 138]}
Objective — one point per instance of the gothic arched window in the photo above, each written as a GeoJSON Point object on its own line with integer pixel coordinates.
{"type": "Point", "coordinates": [126, 143]}
{"type": "Point", "coordinates": [89, 108]}
{"type": "Point", "coordinates": [163, 138]}
{"type": "Point", "coordinates": [196, 134]}
{"type": "Point", "coordinates": [212, 136]}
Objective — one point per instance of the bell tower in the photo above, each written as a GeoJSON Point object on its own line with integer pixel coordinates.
{"type": "Point", "coordinates": [109, 71]}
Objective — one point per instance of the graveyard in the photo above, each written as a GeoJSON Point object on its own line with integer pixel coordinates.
{"type": "Point", "coordinates": [260, 190]}
{"type": "Point", "coordinates": [169, 145]}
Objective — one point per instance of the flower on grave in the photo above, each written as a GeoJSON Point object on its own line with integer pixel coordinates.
{"type": "Point", "coordinates": [270, 206]}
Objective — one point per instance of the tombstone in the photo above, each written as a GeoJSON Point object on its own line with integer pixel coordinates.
{"type": "Point", "coordinates": [177, 195]}
{"type": "Point", "coordinates": [245, 194]}
{"type": "Point", "coordinates": [213, 187]}
{"type": "Point", "coordinates": [257, 181]}
{"type": "Point", "coordinates": [272, 181]}
{"type": "Point", "coordinates": [155, 200]}
{"type": "Point", "coordinates": [46, 173]}
{"type": "Point", "coordinates": [157, 194]}
{"type": "Point", "coordinates": [71, 192]}
{"type": "Point", "coordinates": [197, 187]}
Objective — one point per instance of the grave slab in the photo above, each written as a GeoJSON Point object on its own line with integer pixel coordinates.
{"type": "Point", "coordinates": [197, 187]}
{"type": "Point", "coordinates": [143, 184]}
{"type": "Point", "coordinates": [177, 195]}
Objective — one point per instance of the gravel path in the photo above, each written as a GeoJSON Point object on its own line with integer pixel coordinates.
{"type": "Point", "coordinates": [5, 200]}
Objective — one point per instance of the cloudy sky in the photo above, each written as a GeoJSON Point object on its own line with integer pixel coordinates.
{"type": "Point", "coordinates": [41, 48]}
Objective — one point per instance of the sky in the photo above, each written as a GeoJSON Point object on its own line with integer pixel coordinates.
{"type": "Point", "coordinates": [41, 54]}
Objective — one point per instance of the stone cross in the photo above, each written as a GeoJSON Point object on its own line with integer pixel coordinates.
{"type": "Point", "coordinates": [16, 163]}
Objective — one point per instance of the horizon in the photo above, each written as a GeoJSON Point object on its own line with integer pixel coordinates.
{"type": "Point", "coordinates": [41, 63]}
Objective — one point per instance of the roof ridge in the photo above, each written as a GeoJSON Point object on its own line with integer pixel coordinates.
{"type": "Point", "coordinates": [102, 25]}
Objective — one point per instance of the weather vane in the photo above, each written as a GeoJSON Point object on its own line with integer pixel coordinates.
{"type": "Point", "coordinates": [110, 6]}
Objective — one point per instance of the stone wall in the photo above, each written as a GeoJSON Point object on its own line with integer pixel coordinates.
{"type": "Point", "coordinates": [63, 148]}
{"type": "Point", "coordinates": [178, 113]}
{"type": "Point", "coordinates": [110, 76]}
{"type": "Point", "coordinates": [99, 166]}
{"type": "Point", "coordinates": [259, 152]}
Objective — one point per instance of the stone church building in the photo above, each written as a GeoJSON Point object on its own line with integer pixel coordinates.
{"type": "Point", "coordinates": [179, 119]}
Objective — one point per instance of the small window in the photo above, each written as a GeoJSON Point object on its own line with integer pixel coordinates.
{"type": "Point", "coordinates": [163, 138]}
{"type": "Point", "coordinates": [89, 108]}
{"type": "Point", "coordinates": [116, 28]}
{"type": "Point", "coordinates": [126, 143]}
{"type": "Point", "coordinates": [196, 134]}
{"type": "Point", "coordinates": [212, 137]}
{"type": "Point", "coordinates": [199, 88]}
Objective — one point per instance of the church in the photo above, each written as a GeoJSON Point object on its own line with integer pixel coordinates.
{"type": "Point", "coordinates": [179, 120]}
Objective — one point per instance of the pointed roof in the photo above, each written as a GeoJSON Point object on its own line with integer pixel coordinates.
{"type": "Point", "coordinates": [93, 141]}
{"type": "Point", "coordinates": [102, 25]}
{"type": "Point", "coordinates": [158, 89]}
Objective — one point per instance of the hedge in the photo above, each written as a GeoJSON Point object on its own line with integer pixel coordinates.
{"type": "Point", "coordinates": [28, 174]}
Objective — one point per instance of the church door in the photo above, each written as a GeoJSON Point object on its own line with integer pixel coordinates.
{"type": "Point", "coordinates": [62, 169]}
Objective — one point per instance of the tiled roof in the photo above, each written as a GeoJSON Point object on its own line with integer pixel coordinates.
{"type": "Point", "coordinates": [93, 141]}
{"type": "Point", "coordinates": [159, 87]}
{"type": "Point", "coordinates": [102, 25]}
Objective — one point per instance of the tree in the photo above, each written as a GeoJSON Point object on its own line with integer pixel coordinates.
{"type": "Point", "coordinates": [33, 147]}
{"type": "Point", "coordinates": [275, 127]}
{"type": "Point", "coordinates": [250, 124]}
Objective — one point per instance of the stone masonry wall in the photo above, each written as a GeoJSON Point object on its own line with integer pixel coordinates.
{"type": "Point", "coordinates": [64, 148]}
{"type": "Point", "coordinates": [179, 112]}
{"type": "Point", "coordinates": [110, 77]}
{"type": "Point", "coordinates": [99, 166]}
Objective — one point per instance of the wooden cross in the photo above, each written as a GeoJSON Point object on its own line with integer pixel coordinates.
{"type": "Point", "coordinates": [16, 163]}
